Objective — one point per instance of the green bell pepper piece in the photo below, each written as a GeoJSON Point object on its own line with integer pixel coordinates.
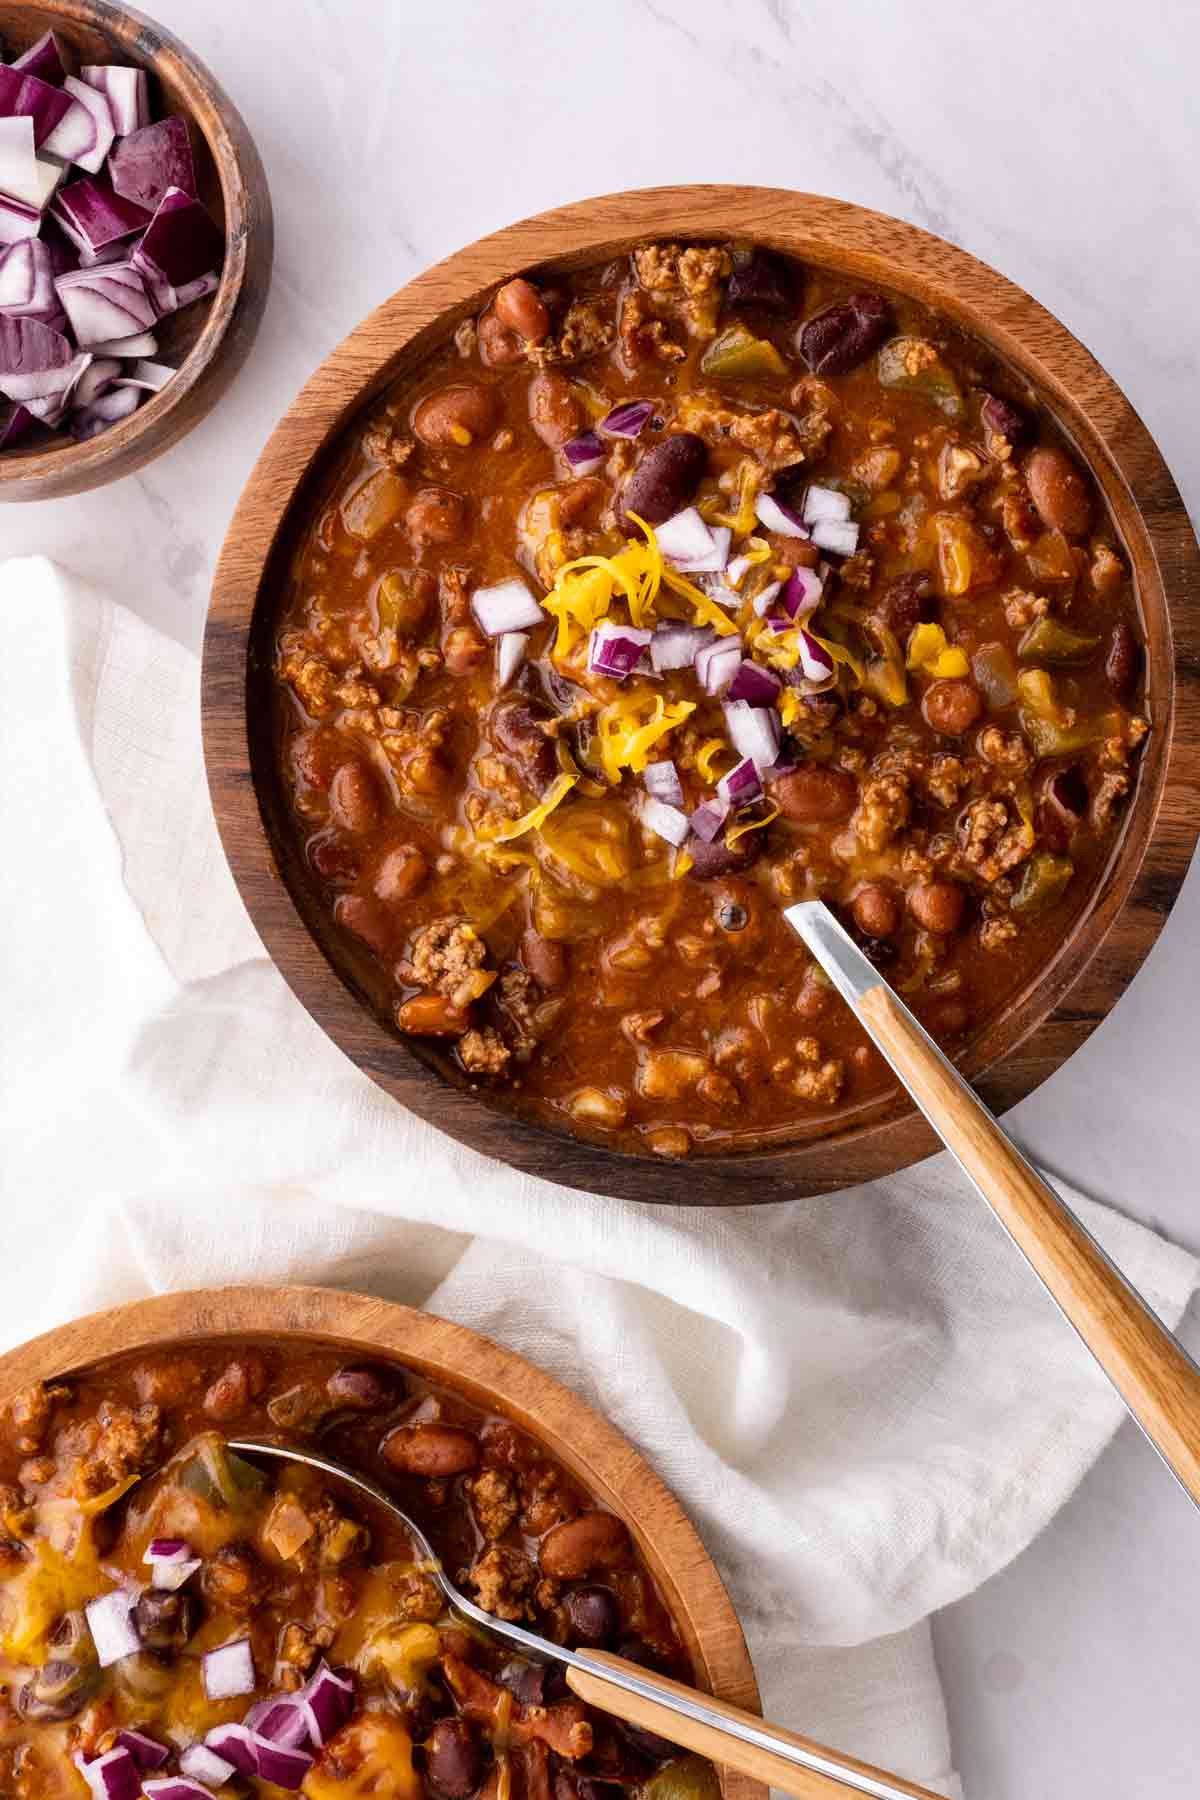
{"type": "Point", "coordinates": [1044, 880]}
{"type": "Point", "coordinates": [912, 365]}
{"type": "Point", "coordinates": [737, 355]}
{"type": "Point", "coordinates": [1050, 641]}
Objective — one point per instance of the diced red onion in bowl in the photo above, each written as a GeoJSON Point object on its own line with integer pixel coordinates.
{"type": "Point", "coordinates": [716, 559]}
{"type": "Point", "coordinates": [585, 453]}
{"type": "Point", "coordinates": [741, 784]}
{"type": "Point", "coordinates": [18, 162]}
{"type": "Point", "coordinates": [168, 299]}
{"type": "Point", "coordinates": [151, 377]}
{"type": "Point", "coordinates": [510, 654]}
{"type": "Point", "coordinates": [92, 215]}
{"type": "Point", "coordinates": [837, 535]}
{"type": "Point", "coordinates": [824, 503]}
{"type": "Point", "coordinates": [110, 1621]}
{"type": "Point", "coordinates": [228, 1670]}
{"type": "Point", "coordinates": [508, 606]}
{"type": "Point", "coordinates": [105, 302]}
{"type": "Point", "coordinates": [205, 1765]}
{"type": "Point", "coordinates": [141, 343]}
{"type": "Point", "coordinates": [803, 592]}
{"type": "Point", "coordinates": [763, 601]}
{"type": "Point", "coordinates": [181, 241]}
{"type": "Point", "coordinates": [616, 650]}
{"type": "Point", "coordinates": [146, 1752]}
{"type": "Point", "coordinates": [665, 821]}
{"type": "Point", "coordinates": [26, 94]}
{"type": "Point", "coordinates": [627, 419]}
{"type": "Point", "coordinates": [717, 663]}
{"type": "Point", "coordinates": [755, 685]}
{"type": "Point", "coordinates": [127, 92]}
{"type": "Point", "coordinates": [662, 782]}
{"type": "Point", "coordinates": [94, 104]}
{"type": "Point", "coordinates": [27, 281]}
{"type": "Point", "coordinates": [113, 1776]}
{"type": "Point", "coordinates": [708, 819]}
{"type": "Point", "coordinates": [14, 423]}
{"type": "Point", "coordinates": [753, 732]}
{"type": "Point", "coordinates": [675, 646]}
{"type": "Point", "coordinates": [779, 518]}
{"type": "Point", "coordinates": [18, 221]}
{"type": "Point", "coordinates": [44, 59]}
{"type": "Point", "coordinates": [107, 409]}
{"type": "Point", "coordinates": [815, 663]}
{"type": "Point", "coordinates": [75, 135]}
{"type": "Point", "coordinates": [684, 536]}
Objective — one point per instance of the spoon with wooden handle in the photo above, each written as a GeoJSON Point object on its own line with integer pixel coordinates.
{"type": "Point", "coordinates": [639, 1696]}
{"type": "Point", "coordinates": [1146, 1363]}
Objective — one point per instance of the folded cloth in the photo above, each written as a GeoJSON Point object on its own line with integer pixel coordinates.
{"type": "Point", "coordinates": [864, 1401]}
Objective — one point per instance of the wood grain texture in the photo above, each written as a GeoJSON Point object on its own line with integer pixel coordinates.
{"type": "Point", "coordinates": [1046, 1021]}
{"type": "Point", "coordinates": [208, 342]}
{"type": "Point", "coordinates": [489, 1376]}
{"type": "Point", "coordinates": [1146, 1364]}
{"type": "Point", "coordinates": [761, 1764]}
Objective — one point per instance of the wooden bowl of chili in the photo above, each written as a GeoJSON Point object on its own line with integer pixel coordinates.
{"type": "Point", "coordinates": [1085, 964]}
{"type": "Point", "coordinates": [160, 1381]}
{"type": "Point", "coordinates": [205, 342]}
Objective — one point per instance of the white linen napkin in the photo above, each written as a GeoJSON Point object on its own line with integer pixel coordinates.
{"type": "Point", "coordinates": [865, 1401]}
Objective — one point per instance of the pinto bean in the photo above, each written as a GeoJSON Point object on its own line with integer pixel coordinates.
{"type": "Point", "coordinates": [1058, 491]}
{"type": "Point", "coordinates": [367, 919]}
{"type": "Point", "coordinates": [952, 707]}
{"type": "Point", "coordinates": [497, 343]}
{"type": "Point", "coordinates": [876, 910]}
{"type": "Point", "coordinates": [937, 905]}
{"type": "Point", "coordinates": [1122, 660]}
{"type": "Point", "coordinates": [453, 1759]}
{"type": "Point", "coordinates": [315, 756]}
{"type": "Point", "coordinates": [520, 308]}
{"type": "Point", "coordinates": [402, 873]}
{"type": "Point", "coordinates": [664, 480]}
{"type": "Point", "coordinates": [554, 409]}
{"type": "Point", "coordinates": [844, 335]}
{"type": "Point", "coordinates": [545, 960]}
{"type": "Point", "coordinates": [354, 798]}
{"type": "Point", "coordinates": [591, 1540]}
{"type": "Point", "coordinates": [430, 1450]}
{"type": "Point", "coordinates": [436, 516]}
{"type": "Point", "coordinates": [454, 417]}
{"type": "Point", "coordinates": [240, 1381]}
{"type": "Point", "coordinates": [814, 796]}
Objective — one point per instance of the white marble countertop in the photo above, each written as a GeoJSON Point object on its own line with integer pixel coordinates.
{"type": "Point", "coordinates": [1059, 143]}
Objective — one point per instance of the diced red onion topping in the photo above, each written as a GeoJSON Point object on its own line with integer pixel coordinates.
{"type": "Point", "coordinates": [110, 1622]}
{"type": "Point", "coordinates": [838, 535]}
{"type": "Point", "coordinates": [665, 821]}
{"type": "Point", "coordinates": [616, 650]}
{"type": "Point", "coordinates": [175, 1787]}
{"type": "Point", "coordinates": [510, 654]}
{"type": "Point", "coordinates": [779, 518]}
{"type": "Point", "coordinates": [708, 818]}
{"type": "Point", "coordinates": [662, 782]}
{"type": "Point", "coordinates": [753, 732]}
{"type": "Point", "coordinates": [113, 1776]}
{"type": "Point", "coordinates": [228, 1670]}
{"type": "Point", "coordinates": [684, 537]}
{"type": "Point", "coordinates": [237, 1744]}
{"type": "Point", "coordinates": [24, 93]}
{"type": "Point", "coordinates": [716, 559]}
{"type": "Point", "coordinates": [127, 92]}
{"type": "Point", "coordinates": [95, 104]}
{"type": "Point", "coordinates": [18, 164]}
{"type": "Point", "coordinates": [286, 1768]}
{"type": "Point", "coordinates": [816, 664]}
{"type": "Point", "coordinates": [585, 453]}
{"type": "Point", "coordinates": [755, 685]}
{"type": "Point", "coordinates": [205, 1765]}
{"type": "Point", "coordinates": [509, 606]}
{"type": "Point", "coordinates": [44, 59]}
{"type": "Point", "coordinates": [741, 784]}
{"type": "Point", "coordinates": [146, 1752]}
{"type": "Point", "coordinates": [802, 595]}
{"type": "Point", "coordinates": [737, 569]}
{"type": "Point", "coordinates": [824, 503]}
{"type": "Point", "coordinates": [167, 1550]}
{"type": "Point", "coordinates": [168, 1577]}
{"type": "Point", "coordinates": [181, 241]}
{"type": "Point", "coordinates": [763, 601]}
{"type": "Point", "coordinates": [717, 664]}
{"type": "Point", "coordinates": [675, 646]}
{"type": "Point", "coordinates": [327, 1701]}
{"type": "Point", "coordinates": [282, 1721]}
{"type": "Point", "coordinates": [627, 419]}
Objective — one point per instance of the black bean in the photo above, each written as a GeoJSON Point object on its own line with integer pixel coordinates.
{"type": "Point", "coordinates": [453, 1759]}
{"type": "Point", "coordinates": [165, 1621]}
{"type": "Point", "coordinates": [844, 335]}
{"type": "Point", "coordinates": [765, 280]}
{"type": "Point", "coordinates": [664, 481]}
{"type": "Point", "coordinates": [594, 1615]}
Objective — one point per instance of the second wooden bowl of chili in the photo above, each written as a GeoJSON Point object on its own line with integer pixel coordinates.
{"type": "Point", "coordinates": [654, 563]}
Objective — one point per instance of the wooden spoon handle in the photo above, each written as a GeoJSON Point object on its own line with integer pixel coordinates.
{"type": "Point", "coordinates": [795, 1764]}
{"type": "Point", "coordinates": [1150, 1369]}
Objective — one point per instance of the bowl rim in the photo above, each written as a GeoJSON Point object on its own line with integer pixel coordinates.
{"type": "Point", "coordinates": [248, 224]}
{"type": "Point", "coordinates": [487, 1373]}
{"type": "Point", "coordinates": [1160, 829]}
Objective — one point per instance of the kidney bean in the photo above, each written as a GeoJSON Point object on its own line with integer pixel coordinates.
{"type": "Point", "coordinates": [591, 1540]}
{"type": "Point", "coordinates": [362, 1387]}
{"type": "Point", "coordinates": [765, 280]}
{"type": "Point", "coordinates": [241, 1380]}
{"type": "Point", "coordinates": [904, 604]}
{"type": "Point", "coordinates": [354, 798]}
{"type": "Point", "coordinates": [333, 858]}
{"type": "Point", "coordinates": [876, 910]}
{"type": "Point", "coordinates": [1122, 660]}
{"type": "Point", "coordinates": [665, 479]}
{"type": "Point", "coordinates": [951, 707]}
{"type": "Point", "coordinates": [436, 515]}
{"type": "Point", "coordinates": [453, 1759]}
{"type": "Point", "coordinates": [554, 409]}
{"type": "Point", "coordinates": [948, 1017]}
{"type": "Point", "coordinates": [1058, 491]}
{"type": "Point", "coordinates": [594, 1616]}
{"type": "Point", "coordinates": [545, 960]}
{"type": "Point", "coordinates": [402, 873]}
{"type": "Point", "coordinates": [813, 795]}
{"type": "Point", "coordinates": [720, 858]}
{"type": "Point", "coordinates": [431, 1015]}
{"type": "Point", "coordinates": [497, 343]}
{"type": "Point", "coordinates": [463, 650]}
{"type": "Point", "coordinates": [367, 920]}
{"type": "Point", "coordinates": [516, 726]}
{"type": "Point", "coordinates": [844, 335]}
{"type": "Point", "coordinates": [430, 1450]}
{"type": "Point", "coordinates": [1005, 420]}
{"type": "Point", "coordinates": [520, 308]}
{"type": "Point", "coordinates": [937, 906]}
{"type": "Point", "coordinates": [442, 418]}
{"type": "Point", "coordinates": [315, 756]}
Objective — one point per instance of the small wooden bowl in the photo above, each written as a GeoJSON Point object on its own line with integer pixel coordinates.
{"type": "Point", "coordinates": [493, 1378]}
{"type": "Point", "coordinates": [207, 342]}
{"type": "Point", "coordinates": [1045, 1022]}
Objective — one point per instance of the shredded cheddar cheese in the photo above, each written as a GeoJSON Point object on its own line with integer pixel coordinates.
{"type": "Point", "coordinates": [537, 815]}
{"type": "Point", "coordinates": [627, 736]}
{"type": "Point", "coordinates": [585, 587]}
{"type": "Point", "coordinates": [704, 757]}
{"type": "Point", "coordinates": [734, 832]}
